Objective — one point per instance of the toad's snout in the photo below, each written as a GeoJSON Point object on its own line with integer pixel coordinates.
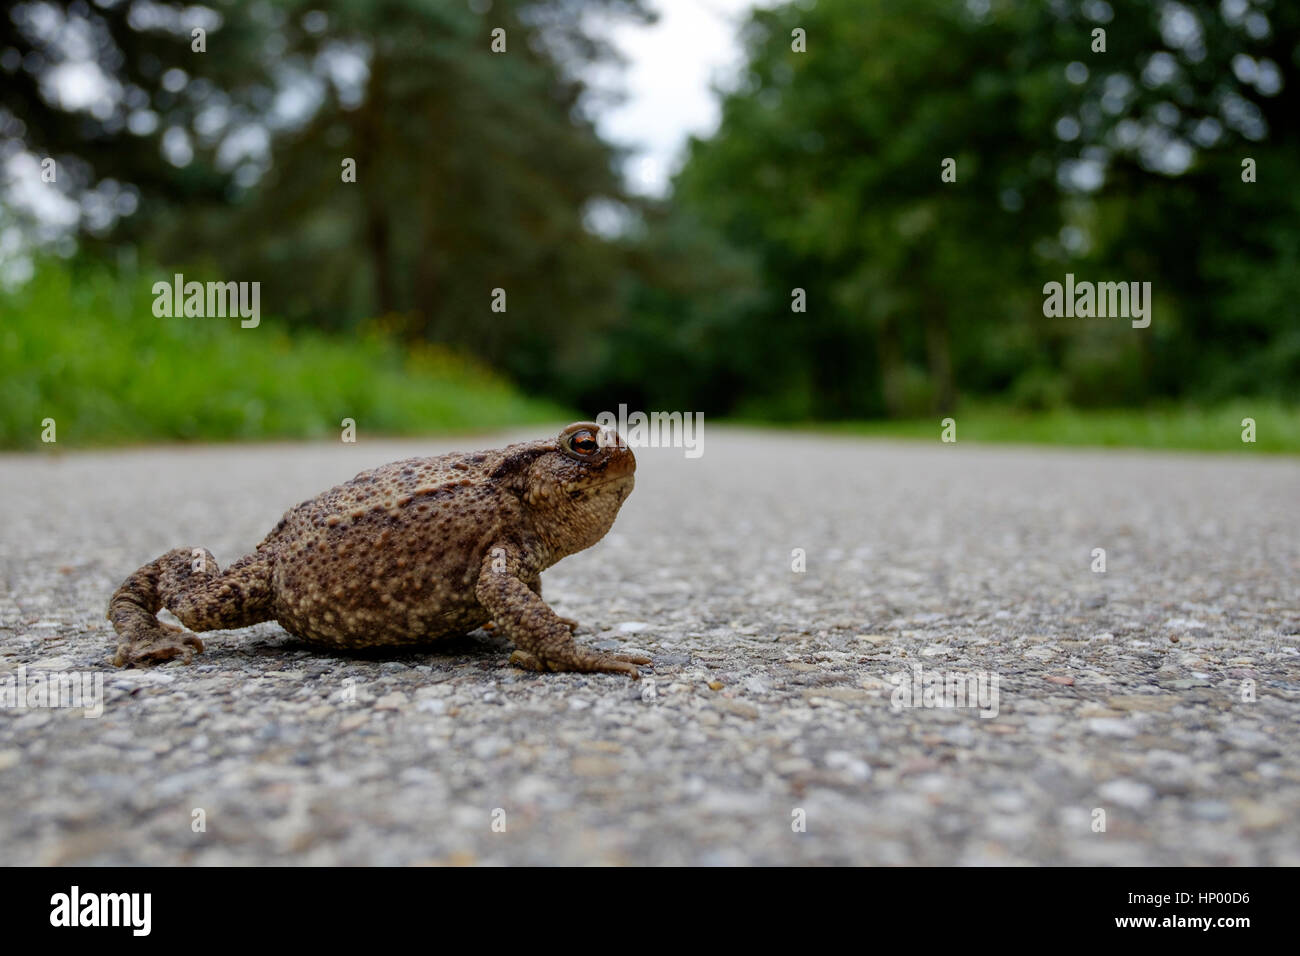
{"type": "Point", "coordinates": [619, 460]}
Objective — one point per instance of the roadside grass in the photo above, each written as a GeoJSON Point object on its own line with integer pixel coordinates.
{"type": "Point", "coordinates": [1182, 427]}
{"type": "Point", "coordinates": [82, 346]}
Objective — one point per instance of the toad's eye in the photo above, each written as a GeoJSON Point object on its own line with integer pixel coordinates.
{"type": "Point", "coordinates": [583, 442]}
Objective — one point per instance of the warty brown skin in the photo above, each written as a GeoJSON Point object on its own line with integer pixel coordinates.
{"type": "Point", "coordinates": [405, 554]}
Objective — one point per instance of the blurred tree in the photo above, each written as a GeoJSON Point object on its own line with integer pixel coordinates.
{"type": "Point", "coordinates": [475, 170]}
{"type": "Point", "coordinates": [1190, 91]}
{"type": "Point", "coordinates": [478, 171]}
{"type": "Point", "coordinates": [1121, 165]}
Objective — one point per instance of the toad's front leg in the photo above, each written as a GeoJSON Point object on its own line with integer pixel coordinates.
{"type": "Point", "coordinates": [568, 622]}
{"type": "Point", "coordinates": [544, 641]}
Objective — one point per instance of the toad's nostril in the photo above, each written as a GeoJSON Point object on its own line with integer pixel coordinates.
{"type": "Point", "coordinates": [622, 461]}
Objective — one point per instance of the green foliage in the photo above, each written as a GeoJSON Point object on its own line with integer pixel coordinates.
{"type": "Point", "coordinates": [479, 171]}
{"type": "Point", "coordinates": [826, 174]}
{"type": "Point", "coordinates": [475, 169]}
{"type": "Point", "coordinates": [1180, 427]}
{"type": "Point", "coordinates": [84, 348]}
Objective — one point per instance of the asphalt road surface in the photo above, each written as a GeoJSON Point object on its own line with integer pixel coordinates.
{"type": "Point", "coordinates": [1147, 714]}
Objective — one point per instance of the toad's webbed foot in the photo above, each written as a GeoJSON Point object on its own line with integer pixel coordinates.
{"type": "Point", "coordinates": [584, 660]}
{"type": "Point", "coordinates": [162, 646]}
{"type": "Point", "coordinates": [543, 639]}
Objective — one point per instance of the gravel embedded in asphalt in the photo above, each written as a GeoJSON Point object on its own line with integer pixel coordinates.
{"type": "Point", "coordinates": [764, 733]}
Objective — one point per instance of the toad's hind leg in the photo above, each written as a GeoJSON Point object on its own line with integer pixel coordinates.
{"type": "Point", "coordinates": [188, 583]}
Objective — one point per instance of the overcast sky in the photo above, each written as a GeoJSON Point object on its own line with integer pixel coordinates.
{"type": "Point", "coordinates": [667, 81]}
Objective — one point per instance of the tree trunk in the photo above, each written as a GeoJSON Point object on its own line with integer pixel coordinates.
{"type": "Point", "coordinates": [891, 367]}
{"type": "Point", "coordinates": [938, 347]}
{"type": "Point", "coordinates": [368, 132]}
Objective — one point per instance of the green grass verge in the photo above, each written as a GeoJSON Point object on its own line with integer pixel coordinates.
{"type": "Point", "coordinates": [1219, 428]}
{"type": "Point", "coordinates": [82, 346]}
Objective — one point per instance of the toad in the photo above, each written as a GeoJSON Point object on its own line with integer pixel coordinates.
{"type": "Point", "coordinates": [405, 554]}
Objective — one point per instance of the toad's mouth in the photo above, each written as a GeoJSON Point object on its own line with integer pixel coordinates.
{"type": "Point", "coordinates": [586, 489]}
